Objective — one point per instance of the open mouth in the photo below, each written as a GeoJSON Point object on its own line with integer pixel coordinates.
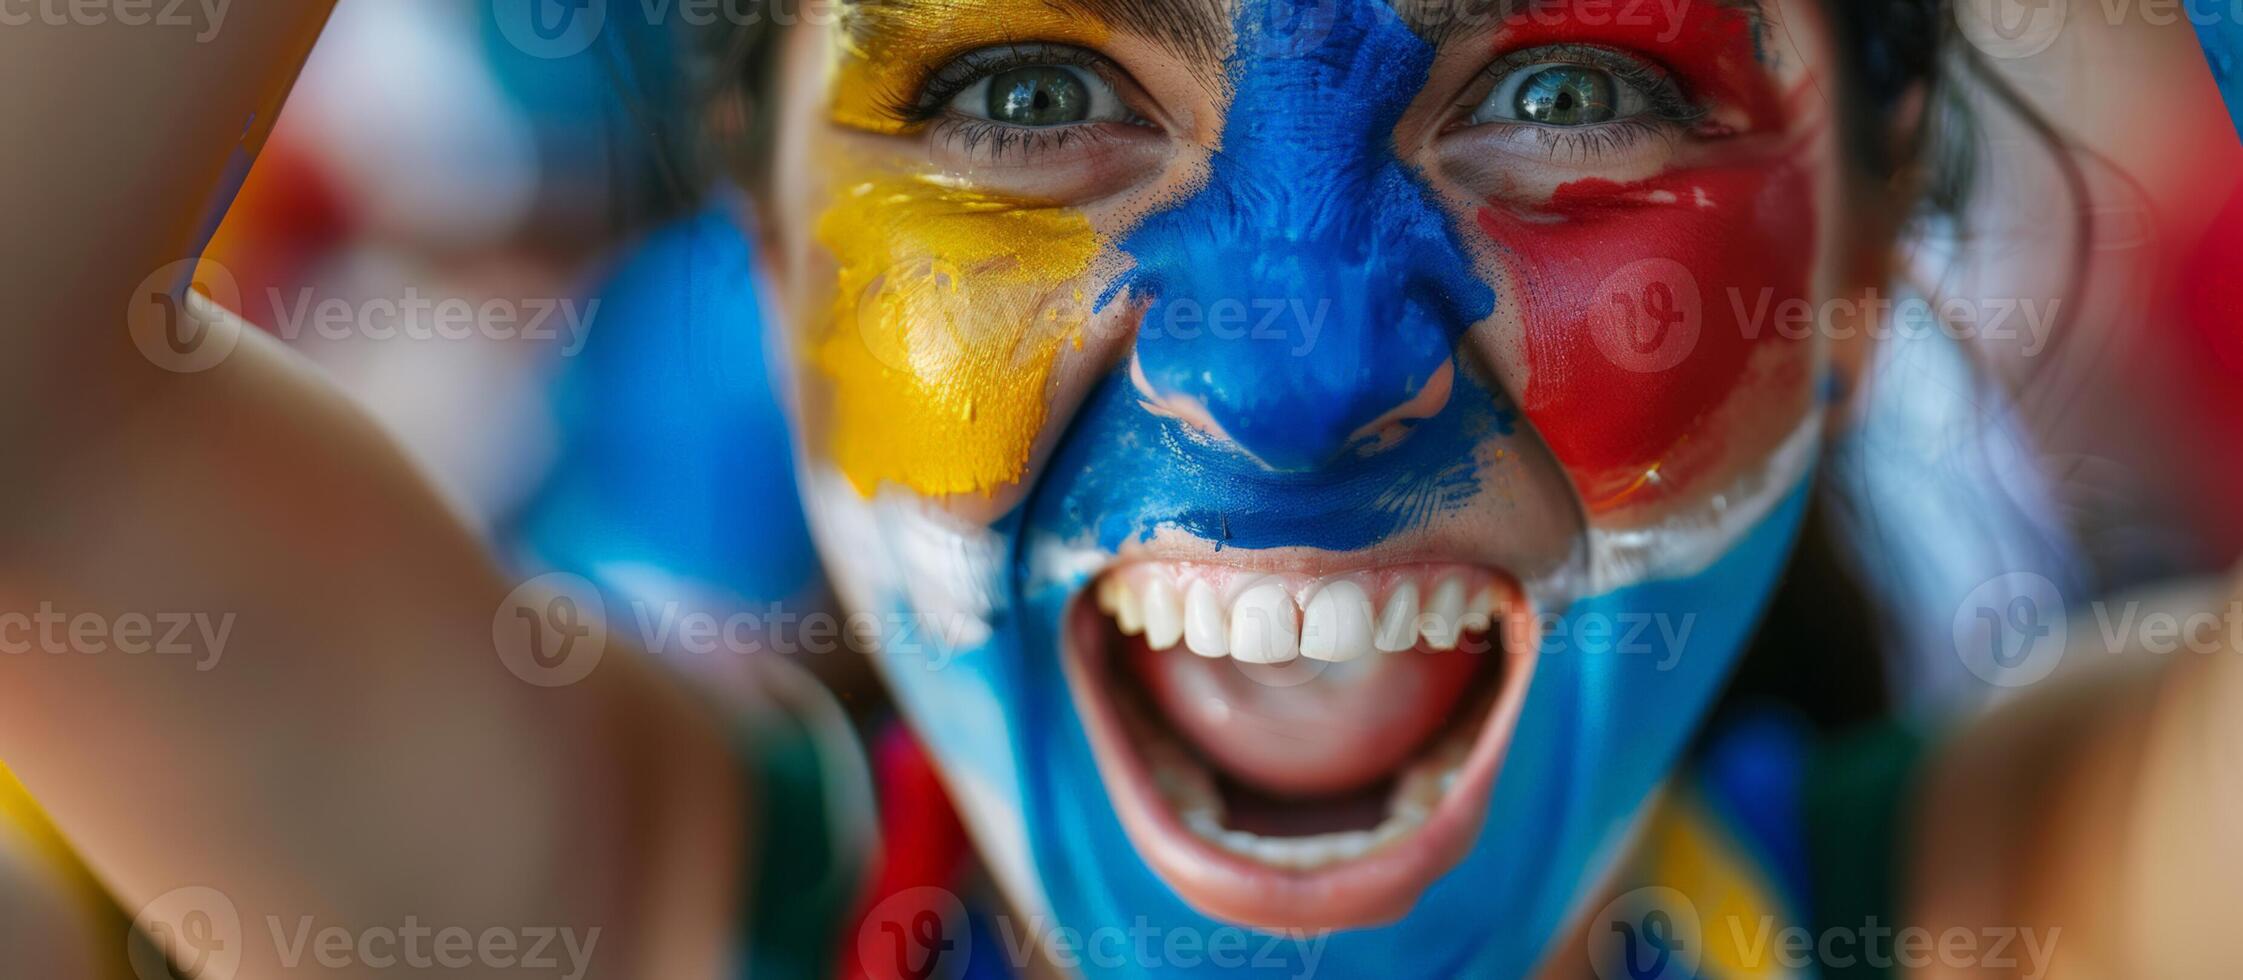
{"type": "Point", "coordinates": [1300, 751]}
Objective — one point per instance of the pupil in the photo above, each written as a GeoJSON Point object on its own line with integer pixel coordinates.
{"type": "Point", "coordinates": [1038, 96]}
{"type": "Point", "coordinates": [1568, 97]}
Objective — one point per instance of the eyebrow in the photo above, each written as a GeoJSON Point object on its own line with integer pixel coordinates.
{"type": "Point", "coordinates": [1197, 31]}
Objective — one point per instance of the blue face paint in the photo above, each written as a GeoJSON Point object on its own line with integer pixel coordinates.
{"type": "Point", "coordinates": [1307, 201]}
{"type": "Point", "coordinates": [1124, 473]}
{"type": "Point", "coordinates": [2222, 36]}
{"type": "Point", "coordinates": [1604, 722]}
{"type": "Point", "coordinates": [1311, 286]}
{"type": "Point", "coordinates": [1314, 283]}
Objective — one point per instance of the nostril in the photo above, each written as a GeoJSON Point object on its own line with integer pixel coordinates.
{"type": "Point", "coordinates": [1177, 405]}
{"type": "Point", "coordinates": [1289, 430]}
{"type": "Point", "coordinates": [1298, 354]}
{"type": "Point", "coordinates": [1390, 429]}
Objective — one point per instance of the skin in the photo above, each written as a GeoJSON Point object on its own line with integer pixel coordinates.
{"type": "Point", "coordinates": [1750, 193]}
{"type": "Point", "coordinates": [619, 795]}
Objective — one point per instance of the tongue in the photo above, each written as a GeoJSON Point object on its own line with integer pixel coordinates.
{"type": "Point", "coordinates": [1306, 728]}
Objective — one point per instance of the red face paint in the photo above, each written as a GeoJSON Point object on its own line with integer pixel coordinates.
{"type": "Point", "coordinates": [1645, 302]}
{"type": "Point", "coordinates": [1715, 49]}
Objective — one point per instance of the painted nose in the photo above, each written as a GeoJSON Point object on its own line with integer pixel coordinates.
{"type": "Point", "coordinates": [1312, 286]}
{"type": "Point", "coordinates": [1297, 356]}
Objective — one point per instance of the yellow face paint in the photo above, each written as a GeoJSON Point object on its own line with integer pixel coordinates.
{"type": "Point", "coordinates": [886, 51]}
{"type": "Point", "coordinates": [952, 308]}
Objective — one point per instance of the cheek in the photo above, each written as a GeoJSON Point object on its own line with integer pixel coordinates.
{"type": "Point", "coordinates": [1642, 305]}
{"type": "Point", "coordinates": [950, 311]}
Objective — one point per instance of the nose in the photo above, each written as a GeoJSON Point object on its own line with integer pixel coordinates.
{"type": "Point", "coordinates": [1293, 352]}
{"type": "Point", "coordinates": [1312, 286]}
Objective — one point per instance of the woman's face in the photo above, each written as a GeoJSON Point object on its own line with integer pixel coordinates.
{"type": "Point", "coordinates": [1318, 457]}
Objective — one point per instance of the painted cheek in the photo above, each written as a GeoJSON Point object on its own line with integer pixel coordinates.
{"type": "Point", "coordinates": [1644, 305]}
{"type": "Point", "coordinates": [951, 310]}
{"type": "Point", "coordinates": [1644, 302]}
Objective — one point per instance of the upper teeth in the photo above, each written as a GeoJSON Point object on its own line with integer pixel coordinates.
{"type": "Point", "coordinates": [1261, 620]}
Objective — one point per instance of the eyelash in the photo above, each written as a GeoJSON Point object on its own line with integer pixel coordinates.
{"type": "Point", "coordinates": [971, 135]}
{"type": "Point", "coordinates": [931, 106]}
{"type": "Point", "coordinates": [1671, 110]}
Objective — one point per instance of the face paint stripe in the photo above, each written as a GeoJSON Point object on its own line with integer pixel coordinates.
{"type": "Point", "coordinates": [1308, 213]}
{"type": "Point", "coordinates": [950, 314]}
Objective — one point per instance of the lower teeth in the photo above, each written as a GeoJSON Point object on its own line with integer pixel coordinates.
{"type": "Point", "coordinates": [1188, 788]}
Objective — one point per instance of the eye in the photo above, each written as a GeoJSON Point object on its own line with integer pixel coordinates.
{"type": "Point", "coordinates": [1028, 87]}
{"type": "Point", "coordinates": [1049, 105]}
{"type": "Point", "coordinates": [1040, 96]}
{"type": "Point", "coordinates": [1574, 86]}
{"type": "Point", "coordinates": [1557, 94]}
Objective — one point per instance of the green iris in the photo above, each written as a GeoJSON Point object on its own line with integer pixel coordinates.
{"type": "Point", "coordinates": [1568, 95]}
{"type": "Point", "coordinates": [1042, 95]}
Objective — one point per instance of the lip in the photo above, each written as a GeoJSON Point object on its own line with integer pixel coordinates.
{"type": "Point", "coordinates": [1370, 889]}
